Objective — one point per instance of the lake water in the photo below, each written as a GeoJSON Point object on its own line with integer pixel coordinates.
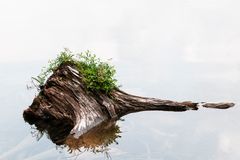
{"type": "Point", "coordinates": [177, 50]}
{"type": "Point", "coordinates": [204, 134]}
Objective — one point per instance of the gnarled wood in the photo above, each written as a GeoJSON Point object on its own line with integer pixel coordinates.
{"type": "Point", "coordinates": [64, 100]}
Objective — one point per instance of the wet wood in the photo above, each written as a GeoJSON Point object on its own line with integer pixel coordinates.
{"type": "Point", "coordinates": [65, 101]}
{"type": "Point", "coordinates": [218, 105]}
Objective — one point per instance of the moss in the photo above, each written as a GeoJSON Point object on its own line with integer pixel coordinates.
{"type": "Point", "coordinates": [97, 75]}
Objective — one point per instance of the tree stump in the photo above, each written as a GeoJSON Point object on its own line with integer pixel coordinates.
{"type": "Point", "coordinates": [65, 101]}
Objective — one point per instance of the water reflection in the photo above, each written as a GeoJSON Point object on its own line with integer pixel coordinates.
{"type": "Point", "coordinates": [96, 140]}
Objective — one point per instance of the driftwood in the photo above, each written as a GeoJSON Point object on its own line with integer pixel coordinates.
{"type": "Point", "coordinates": [64, 101]}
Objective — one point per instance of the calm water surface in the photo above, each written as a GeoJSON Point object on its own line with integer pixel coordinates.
{"type": "Point", "coordinates": [177, 50]}
{"type": "Point", "coordinates": [204, 134]}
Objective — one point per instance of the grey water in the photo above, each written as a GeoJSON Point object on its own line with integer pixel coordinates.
{"type": "Point", "coordinates": [177, 50]}
{"type": "Point", "coordinates": [204, 134]}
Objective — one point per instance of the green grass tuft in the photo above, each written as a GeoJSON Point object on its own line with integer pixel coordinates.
{"type": "Point", "coordinates": [97, 75]}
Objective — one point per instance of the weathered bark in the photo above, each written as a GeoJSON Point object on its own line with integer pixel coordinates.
{"type": "Point", "coordinates": [65, 101]}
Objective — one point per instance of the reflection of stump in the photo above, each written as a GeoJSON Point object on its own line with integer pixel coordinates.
{"type": "Point", "coordinates": [96, 139]}
{"type": "Point", "coordinates": [65, 101]}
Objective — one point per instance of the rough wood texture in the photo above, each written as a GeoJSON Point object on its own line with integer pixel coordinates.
{"type": "Point", "coordinates": [65, 101]}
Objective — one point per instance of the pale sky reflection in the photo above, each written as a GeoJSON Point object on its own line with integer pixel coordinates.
{"type": "Point", "coordinates": [180, 50]}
